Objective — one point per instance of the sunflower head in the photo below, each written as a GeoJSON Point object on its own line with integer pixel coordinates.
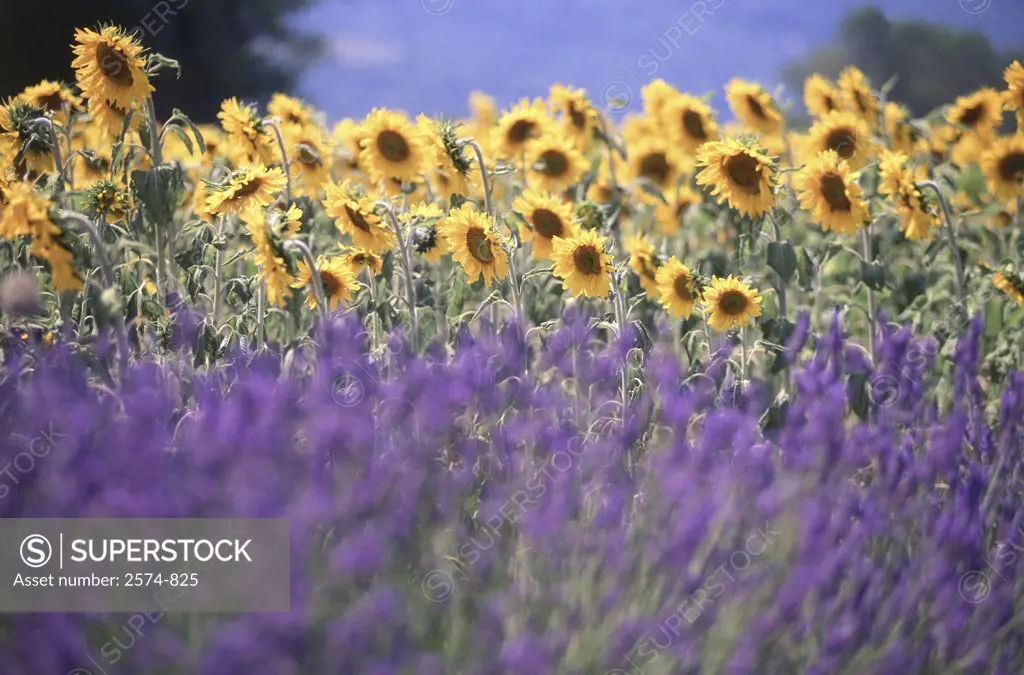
{"type": "Point", "coordinates": [738, 172]}
{"type": "Point", "coordinates": [110, 66]}
{"type": "Point", "coordinates": [473, 243]}
{"type": "Point", "coordinates": [678, 288]}
{"type": "Point", "coordinates": [33, 148]}
{"type": "Point", "coordinates": [730, 303]}
{"type": "Point", "coordinates": [820, 96]}
{"type": "Point", "coordinates": [642, 260]}
{"type": "Point", "coordinates": [108, 199]}
{"type": "Point", "coordinates": [857, 96]}
{"type": "Point", "coordinates": [1003, 166]}
{"type": "Point", "coordinates": [753, 106]}
{"type": "Point", "coordinates": [583, 264]}
{"type": "Point", "coordinates": [519, 127]}
{"type": "Point", "coordinates": [980, 112]}
{"type": "Point", "coordinates": [392, 147]}
{"type": "Point", "coordinates": [827, 189]}
{"type": "Point", "coordinates": [253, 185]}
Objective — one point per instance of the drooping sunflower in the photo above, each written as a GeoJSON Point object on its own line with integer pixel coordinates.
{"type": "Point", "coordinates": [269, 257]}
{"type": "Point", "coordinates": [583, 265]}
{"type": "Point", "coordinates": [1012, 286]}
{"type": "Point", "coordinates": [668, 216]}
{"type": "Point", "coordinates": [546, 218]}
{"type": "Point", "coordinates": [55, 98]}
{"type": "Point", "coordinates": [426, 240]}
{"type": "Point", "coordinates": [857, 97]}
{"type": "Point", "coordinates": [753, 106]}
{"type": "Point", "coordinates": [897, 181]}
{"type": "Point", "coordinates": [517, 128]}
{"type": "Point", "coordinates": [1003, 166]}
{"type": "Point", "coordinates": [689, 122]}
{"type": "Point", "coordinates": [310, 162]}
{"type": "Point", "coordinates": [827, 188]}
{"type": "Point", "coordinates": [253, 185]}
{"type": "Point", "coordinates": [820, 96]}
{"type": "Point", "coordinates": [110, 67]}
{"type": "Point", "coordinates": [677, 289]}
{"type": "Point", "coordinates": [738, 173]}
{"type": "Point", "coordinates": [109, 118]}
{"type": "Point", "coordinates": [291, 111]}
{"type": "Point", "coordinates": [452, 163]}
{"type": "Point", "coordinates": [473, 242]}
{"type": "Point", "coordinates": [361, 259]}
{"type": "Point", "coordinates": [658, 161]}
{"type": "Point", "coordinates": [336, 277]}
{"type": "Point", "coordinates": [554, 162]}
{"type": "Point", "coordinates": [643, 261]}
{"type": "Point", "coordinates": [842, 132]}
{"type": "Point", "coordinates": [577, 115]}
{"type": "Point", "coordinates": [731, 303]}
{"type": "Point", "coordinates": [245, 128]}
{"type": "Point", "coordinates": [980, 112]}
{"type": "Point", "coordinates": [354, 214]}
{"type": "Point", "coordinates": [29, 147]}
{"type": "Point", "coordinates": [392, 147]}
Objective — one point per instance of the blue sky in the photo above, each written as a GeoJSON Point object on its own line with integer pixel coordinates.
{"type": "Point", "coordinates": [428, 55]}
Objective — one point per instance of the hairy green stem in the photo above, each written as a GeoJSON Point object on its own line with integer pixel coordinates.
{"type": "Point", "coordinates": [410, 290]}
{"type": "Point", "coordinates": [947, 226]}
{"type": "Point", "coordinates": [285, 164]}
{"type": "Point", "coordinates": [865, 238]}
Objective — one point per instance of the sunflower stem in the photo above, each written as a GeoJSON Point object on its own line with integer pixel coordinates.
{"type": "Point", "coordinates": [410, 290]}
{"type": "Point", "coordinates": [865, 240]}
{"type": "Point", "coordinates": [156, 151]}
{"type": "Point", "coordinates": [620, 320]}
{"type": "Point", "coordinates": [261, 311]}
{"type": "Point", "coordinates": [488, 206]}
{"type": "Point", "coordinates": [611, 177]}
{"type": "Point", "coordinates": [947, 226]}
{"type": "Point", "coordinates": [58, 161]}
{"type": "Point", "coordinates": [314, 274]}
{"type": "Point", "coordinates": [272, 123]}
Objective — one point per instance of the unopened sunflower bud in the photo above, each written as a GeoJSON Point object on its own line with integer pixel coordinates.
{"type": "Point", "coordinates": [19, 295]}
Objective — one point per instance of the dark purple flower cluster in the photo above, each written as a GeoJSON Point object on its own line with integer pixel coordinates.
{"type": "Point", "coordinates": [459, 514]}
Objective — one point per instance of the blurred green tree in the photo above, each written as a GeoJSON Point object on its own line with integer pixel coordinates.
{"type": "Point", "coordinates": [934, 63]}
{"type": "Point", "coordinates": [244, 48]}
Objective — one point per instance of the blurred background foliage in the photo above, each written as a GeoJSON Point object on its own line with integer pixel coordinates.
{"type": "Point", "coordinates": [244, 48]}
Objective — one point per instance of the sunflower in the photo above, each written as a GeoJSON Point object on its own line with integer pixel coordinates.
{"type": "Point", "coordinates": [731, 303]}
{"type": "Point", "coordinates": [310, 159]}
{"type": "Point", "coordinates": [643, 261]}
{"type": "Point", "coordinates": [657, 161]}
{"type": "Point", "coordinates": [243, 126]}
{"type": "Point", "coordinates": [820, 96]}
{"type": "Point", "coordinates": [53, 97]}
{"type": "Point", "coordinates": [579, 120]}
{"type": "Point", "coordinates": [27, 213]}
{"type": "Point", "coordinates": [897, 181]}
{"type": "Point", "coordinates": [980, 112]}
{"type": "Point", "coordinates": [582, 264]}
{"type": "Point", "coordinates": [346, 138]}
{"type": "Point", "coordinates": [1003, 166]}
{"type": "Point", "coordinates": [291, 111]}
{"type": "Point", "coordinates": [656, 95]}
{"type": "Point", "coordinates": [518, 127]}
{"type": "Point", "coordinates": [857, 97]}
{"type": "Point", "coordinates": [354, 214]}
{"type": "Point", "coordinates": [427, 242]}
{"type": "Point", "coordinates": [360, 259]}
{"type": "Point", "coordinates": [108, 200]}
{"type": "Point", "coordinates": [555, 162]}
{"type": "Point", "coordinates": [677, 289]}
{"type": "Point", "coordinates": [827, 188]}
{"type": "Point", "coordinates": [110, 67]}
{"type": "Point", "coordinates": [253, 185]}
{"type": "Point", "coordinates": [842, 132]}
{"type": "Point", "coordinates": [109, 117]}
{"type": "Point", "coordinates": [451, 164]}
{"type": "Point", "coordinates": [1013, 97]}
{"type": "Point", "coordinates": [902, 136]}
{"type": "Point", "coordinates": [29, 148]}
{"type": "Point", "coordinates": [269, 258]}
{"type": "Point", "coordinates": [483, 109]}
{"type": "Point", "coordinates": [473, 242]}
{"type": "Point", "coordinates": [1012, 286]}
{"type": "Point", "coordinates": [669, 216]}
{"type": "Point", "coordinates": [738, 173]}
{"type": "Point", "coordinates": [753, 106]}
{"type": "Point", "coordinates": [392, 147]}
{"type": "Point", "coordinates": [969, 148]}
{"type": "Point", "coordinates": [336, 277]}
{"type": "Point", "coordinates": [689, 122]}
{"type": "Point", "coordinates": [546, 217]}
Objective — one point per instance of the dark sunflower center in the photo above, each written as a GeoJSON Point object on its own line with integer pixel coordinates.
{"type": "Point", "coordinates": [682, 287]}
{"type": "Point", "coordinates": [745, 172]}
{"type": "Point", "coordinates": [646, 268]}
{"type": "Point", "coordinates": [693, 123]}
{"type": "Point", "coordinates": [587, 259]}
{"type": "Point", "coordinates": [1011, 167]}
{"type": "Point", "coordinates": [330, 283]}
{"type": "Point", "coordinates": [357, 218]}
{"type": "Point", "coordinates": [830, 103]}
{"type": "Point", "coordinates": [972, 116]}
{"type": "Point", "coordinates": [479, 245]}
{"type": "Point", "coordinates": [393, 146]}
{"type": "Point", "coordinates": [51, 102]}
{"type": "Point", "coordinates": [732, 303]}
{"type": "Point", "coordinates": [842, 141]}
{"type": "Point", "coordinates": [576, 116]}
{"type": "Point", "coordinates": [833, 190]}
{"type": "Point", "coordinates": [655, 167]}
{"type": "Point", "coordinates": [114, 64]}
{"type": "Point", "coordinates": [520, 131]}
{"type": "Point", "coordinates": [359, 259]}
{"type": "Point", "coordinates": [756, 107]}
{"type": "Point", "coordinates": [250, 187]}
{"type": "Point", "coordinates": [555, 163]}
{"type": "Point", "coordinates": [547, 223]}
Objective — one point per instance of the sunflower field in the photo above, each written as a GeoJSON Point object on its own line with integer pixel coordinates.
{"type": "Point", "coordinates": [548, 389]}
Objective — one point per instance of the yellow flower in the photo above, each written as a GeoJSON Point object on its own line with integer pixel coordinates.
{"type": "Point", "coordinates": [360, 259]}
{"type": "Point", "coordinates": [109, 67]}
{"type": "Point", "coordinates": [577, 116]}
{"type": "Point", "coordinates": [428, 243]}
{"type": "Point", "coordinates": [525, 122]}
{"type": "Point", "coordinates": [731, 303]}
{"type": "Point", "coordinates": [354, 214]}
{"type": "Point", "coordinates": [1013, 288]}
{"type": "Point", "coordinates": [244, 128]}
{"type": "Point", "coordinates": [677, 291]}
{"type": "Point", "coordinates": [902, 137]}
{"type": "Point", "coordinates": [827, 189]}
{"type": "Point", "coordinates": [668, 216]}
{"type": "Point", "coordinates": [269, 257]}
{"type": "Point", "coordinates": [392, 147]}
{"type": "Point", "coordinates": [738, 173]}
{"type": "Point", "coordinates": [753, 106]}
{"type": "Point", "coordinates": [109, 117]}
{"type": "Point", "coordinates": [980, 112]}
{"type": "Point", "coordinates": [310, 161]}
{"type": "Point", "coordinates": [689, 122]}
{"type": "Point", "coordinates": [346, 138]}
{"type": "Point", "coordinates": [820, 97]}
{"type": "Point", "coordinates": [857, 97]}
{"type": "Point", "coordinates": [484, 111]}
{"type": "Point", "coordinates": [291, 111]}
{"type": "Point", "coordinates": [1003, 166]}
{"type": "Point", "coordinates": [473, 243]}
{"type": "Point", "coordinates": [53, 97]}
{"type": "Point", "coordinates": [336, 277]}
{"type": "Point", "coordinates": [30, 149]}
{"type": "Point", "coordinates": [643, 261]}
{"type": "Point", "coordinates": [554, 162]}
{"type": "Point", "coordinates": [897, 181]}
{"type": "Point", "coordinates": [582, 264]}
{"type": "Point", "coordinates": [658, 161]}
{"type": "Point", "coordinates": [546, 217]}
{"type": "Point", "coordinates": [844, 133]}
{"type": "Point", "coordinates": [253, 185]}
{"type": "Point", "coordinates": [26, 213]}
{"type": "Point", "coordinates": [656, 96]}
{"type": "Point", "coordinates": [108, 199]}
